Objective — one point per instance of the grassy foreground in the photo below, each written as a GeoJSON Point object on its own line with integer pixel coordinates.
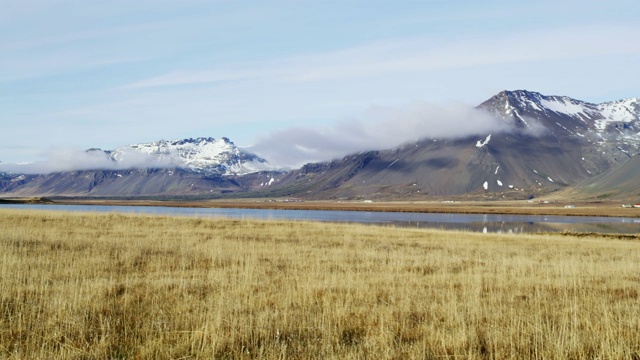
{"type": "Point", "coordinates": [101, 286]}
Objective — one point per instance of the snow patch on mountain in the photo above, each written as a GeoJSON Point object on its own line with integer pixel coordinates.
{"type": "Point", "coordinates": [480, 144]}
{"type": "Point", "coordinates": [569, 107]}
{"type": "Point", "coordinates": [623, 111]}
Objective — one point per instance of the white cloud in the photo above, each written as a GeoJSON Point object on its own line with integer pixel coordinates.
{"type": "Point", "coordinates": [381, 128]}
{"type": "Point", "coordinates": [59, 160]}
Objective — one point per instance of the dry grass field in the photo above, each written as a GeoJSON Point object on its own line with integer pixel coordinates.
{"type": "Point", "coordinates": [110, 286]}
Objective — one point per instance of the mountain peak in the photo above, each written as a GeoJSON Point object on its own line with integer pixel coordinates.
{"type": "Point", "coordinates": [520, 93]}
{"type": "Point", "coordinates": [533, 99]}
{"type": "Point", "coordinates": [566, 116]}
{"type": "Point", "coordinates": [203, 154]}
{"type": "Point", "coordinates": [522, 96]}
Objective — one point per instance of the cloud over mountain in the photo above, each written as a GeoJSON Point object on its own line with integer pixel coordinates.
{"type": "Point", "coordinates": [205, 155]}
{"type": "Point", "coordinates": [60, 159]}
{"type": "Point", "coordinates": [381, 127]}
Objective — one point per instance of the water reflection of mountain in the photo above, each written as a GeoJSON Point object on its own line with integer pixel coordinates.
{"type": "Point", "coordinates": [504, 227]}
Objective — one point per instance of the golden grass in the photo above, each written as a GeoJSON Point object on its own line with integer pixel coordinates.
{"type": "Point", "coordinates": [104, 286]}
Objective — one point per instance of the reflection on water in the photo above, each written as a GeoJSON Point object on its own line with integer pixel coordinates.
{"type": "Point", "coordinates": [515, 227]}
{"type": "Point", "coordinates": [488, 223]}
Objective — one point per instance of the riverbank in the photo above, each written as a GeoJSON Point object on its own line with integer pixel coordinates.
{"type": "Point", "coordinates": [29, 200]}
{"type": "Point", "coordinates": [520, 207]}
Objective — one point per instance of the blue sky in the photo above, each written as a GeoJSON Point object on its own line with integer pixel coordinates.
{"type": "Point", "coordinates": [78, 74]}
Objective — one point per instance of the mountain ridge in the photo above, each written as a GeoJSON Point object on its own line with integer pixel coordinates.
{"type": "Point", "coordinates": [590, 114]}
{"type": "Point", "coordinates": [205, 155]}
{"type": "Point", "coordinates": [550, 143]}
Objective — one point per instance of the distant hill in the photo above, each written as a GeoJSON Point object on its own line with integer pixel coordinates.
{"type": "Point", "coordinates": [622, 182]}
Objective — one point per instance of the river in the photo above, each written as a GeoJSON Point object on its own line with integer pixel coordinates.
{"type": "Point", "coordinates": [493, 223]}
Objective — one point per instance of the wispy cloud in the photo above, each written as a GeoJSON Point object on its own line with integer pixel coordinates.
{"type": "Point", "coordinates": [182, 77]}
{"type": "Point", "coordinates": [411, 55]}
{"type": "Point", "coordinates": [77, 44]}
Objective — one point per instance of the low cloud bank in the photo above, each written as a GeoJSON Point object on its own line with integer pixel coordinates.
{"type": "Point", "coordinates": [380, 128]}
{"type": "Point", "coordinates": [59, 160]}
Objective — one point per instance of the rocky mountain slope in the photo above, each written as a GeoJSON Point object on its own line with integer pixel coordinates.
{"type": "Point", "coordinates": [517, 106]}
{"type": "Point", "coordinates": [611, 127]}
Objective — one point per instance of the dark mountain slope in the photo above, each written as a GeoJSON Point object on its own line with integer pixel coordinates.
{"type": "Point", "coordinates": [134, 182]}
{"type": "Point", "coordinates": [516, 164]}
{"type": "Point", "coordinates": [622, 182]}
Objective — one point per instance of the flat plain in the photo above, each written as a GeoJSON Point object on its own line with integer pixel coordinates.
{"type": "Point", "coordinates": [104, 286]}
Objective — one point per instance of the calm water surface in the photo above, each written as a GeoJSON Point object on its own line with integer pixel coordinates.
{"type": "Point", "coordinates": [472, 222]}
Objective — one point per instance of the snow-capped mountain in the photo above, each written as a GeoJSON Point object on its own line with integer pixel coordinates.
{"type": "Point", "coordinates": [551, 142]}
{"type": "Point", "coordinates": [615, 120]}
{"type": "Point", "coordinates": [162, 168]}
{"type": "Point", "coordinates": [206, 155]}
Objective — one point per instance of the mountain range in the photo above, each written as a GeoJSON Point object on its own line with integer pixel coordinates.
{"type": "Point", "coordinates": [548, 144]}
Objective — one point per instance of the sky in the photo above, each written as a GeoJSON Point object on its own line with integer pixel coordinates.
{"type": "Point", "coordinates": [79, 74]}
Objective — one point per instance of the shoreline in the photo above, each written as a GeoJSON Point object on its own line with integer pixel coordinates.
{"type": "Point", "coordinates": [600, 209]}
